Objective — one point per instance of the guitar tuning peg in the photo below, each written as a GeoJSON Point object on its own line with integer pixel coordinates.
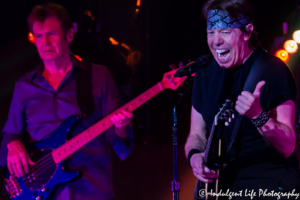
{"type": "Point", "coordinates": [232, 116]}
{"type": "Point", "coordinates": [226, 124]}
{"type": "Point", "coordinates": [229, 119]}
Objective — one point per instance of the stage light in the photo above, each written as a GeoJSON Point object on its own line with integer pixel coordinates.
{"type": "Point", "coordinates": [113, 41]}
{"type": "Point", "coordinates": [125, 46]}
{"type": "Point", "coordinates": [296, 36]}
{"type": "Point", "coordinates": [282, 54]}
{"type": "Point", "coordinates": [88, 13]}
{"type": "Point", "coordinates": [138, 3]}
{"type": "Point", "coordinates": [290, 46]}
{"type": "Point", "coordinates": [30, 37]}
{"type": "Point", "coordinates": [78, 58]}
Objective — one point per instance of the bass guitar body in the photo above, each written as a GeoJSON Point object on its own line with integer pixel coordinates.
{"type": "Point", "coordinates": [46, 175]}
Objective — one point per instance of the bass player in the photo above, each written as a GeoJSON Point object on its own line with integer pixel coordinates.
{"type": "Point", "coordinates": [44, 98]}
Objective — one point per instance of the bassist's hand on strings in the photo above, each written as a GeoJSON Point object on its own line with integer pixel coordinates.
{"type": "Point", "coordinates": [249, 104]}
{"type": "Point", "coordinates": [200, 170]}
{"type": "Point", "coordinates": [121, 121]}
{"type": "Point", "coordinates": [18, 159]}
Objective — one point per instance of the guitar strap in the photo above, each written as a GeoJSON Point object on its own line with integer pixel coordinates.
{"type": "Point", "coordinates": [83, 80]}
{"type": "Point", "coordinates": [253, 78]}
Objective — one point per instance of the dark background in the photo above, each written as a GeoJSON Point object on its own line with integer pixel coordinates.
{"type": "Point", "coordinates": [164, 32]}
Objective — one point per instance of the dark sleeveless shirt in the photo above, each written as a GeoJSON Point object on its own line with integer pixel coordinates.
{"type": "Point", "coordinates": [250, 156]}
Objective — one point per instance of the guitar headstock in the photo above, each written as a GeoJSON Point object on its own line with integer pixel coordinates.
{"type": "Point", "coordinates": [225, 114]}
{"type": "Point", "coordinates": [169, 81]}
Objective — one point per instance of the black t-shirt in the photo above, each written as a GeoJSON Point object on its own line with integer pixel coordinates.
{"type": "Point", "coordinates": [249, 152]}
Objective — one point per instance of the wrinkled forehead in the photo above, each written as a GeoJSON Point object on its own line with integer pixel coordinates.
{"type": "Point", "coordinates": [219, 19]}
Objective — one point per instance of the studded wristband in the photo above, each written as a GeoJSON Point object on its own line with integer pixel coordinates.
{"type": "Point", "coordinates": [261, 119]}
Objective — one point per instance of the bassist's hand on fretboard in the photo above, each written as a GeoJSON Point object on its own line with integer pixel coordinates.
{"type": "Point", "coordinates": [202, 172]}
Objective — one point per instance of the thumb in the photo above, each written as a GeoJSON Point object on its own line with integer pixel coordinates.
{"type": "Point", "coordinates": [258, 88]}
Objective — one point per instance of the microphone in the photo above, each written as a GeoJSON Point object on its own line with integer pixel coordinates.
{"type": "Point", "coordinates": [192, 67]}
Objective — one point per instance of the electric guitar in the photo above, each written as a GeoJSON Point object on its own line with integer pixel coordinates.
{"type": "Point", "coordinates": [49, 157]}
{"type": "Point", "coordinates": [212, 155]}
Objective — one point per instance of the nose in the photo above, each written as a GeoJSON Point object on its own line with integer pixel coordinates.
{"type": "Point", "coordinates": [218, 40]}
{"type": "Point", "coordinates": [45, 40]}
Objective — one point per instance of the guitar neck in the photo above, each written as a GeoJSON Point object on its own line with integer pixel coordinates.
{"type": "Point", "coordinates": [208, 146]}
{"type": "Point", "coordinates": [92, 132]}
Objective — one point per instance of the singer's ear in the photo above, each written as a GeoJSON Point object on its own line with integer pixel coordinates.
{"type": "Point", "coordinates": [248, 34]}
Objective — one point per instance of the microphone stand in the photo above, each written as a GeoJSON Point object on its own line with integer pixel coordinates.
{"type": "Point", "coordinates": [175, 182]}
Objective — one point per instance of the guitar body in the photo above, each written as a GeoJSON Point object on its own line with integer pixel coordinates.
{"type": "Point", "coordinates": [213, 157]}
{"type": "Point", "coordinates": [42, 181]}
{"type": "Point", "coordinates": [203, 190]}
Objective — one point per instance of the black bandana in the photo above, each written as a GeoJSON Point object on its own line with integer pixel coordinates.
{"type": "Point", "coordinates": [221, 19]}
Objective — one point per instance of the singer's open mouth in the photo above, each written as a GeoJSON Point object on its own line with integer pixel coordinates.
{"type": "Point", "coordinates": [223, 53]}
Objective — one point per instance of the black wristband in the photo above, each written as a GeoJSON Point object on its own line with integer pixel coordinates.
{"type": "Point", "coordinates": [191, 153]}
{"type": "Point", "coordinates": [261, 119]}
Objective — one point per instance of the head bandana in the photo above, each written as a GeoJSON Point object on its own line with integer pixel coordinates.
{"type": "Point", "coordinates": [221, 19]}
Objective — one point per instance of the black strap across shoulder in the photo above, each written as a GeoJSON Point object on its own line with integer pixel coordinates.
{"type": "Point", "coordinates": [253, 78]}
{"type": "Point", "coordinates": [83, 80]}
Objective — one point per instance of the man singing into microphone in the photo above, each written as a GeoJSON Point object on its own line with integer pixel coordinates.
{"type": "Point", "coordinates": [263, 153]}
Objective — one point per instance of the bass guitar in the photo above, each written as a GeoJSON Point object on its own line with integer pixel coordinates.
{"type": "Point", "coordinates": [51, 153]}
{"type": "Point", "coordinates": [212, 155]}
